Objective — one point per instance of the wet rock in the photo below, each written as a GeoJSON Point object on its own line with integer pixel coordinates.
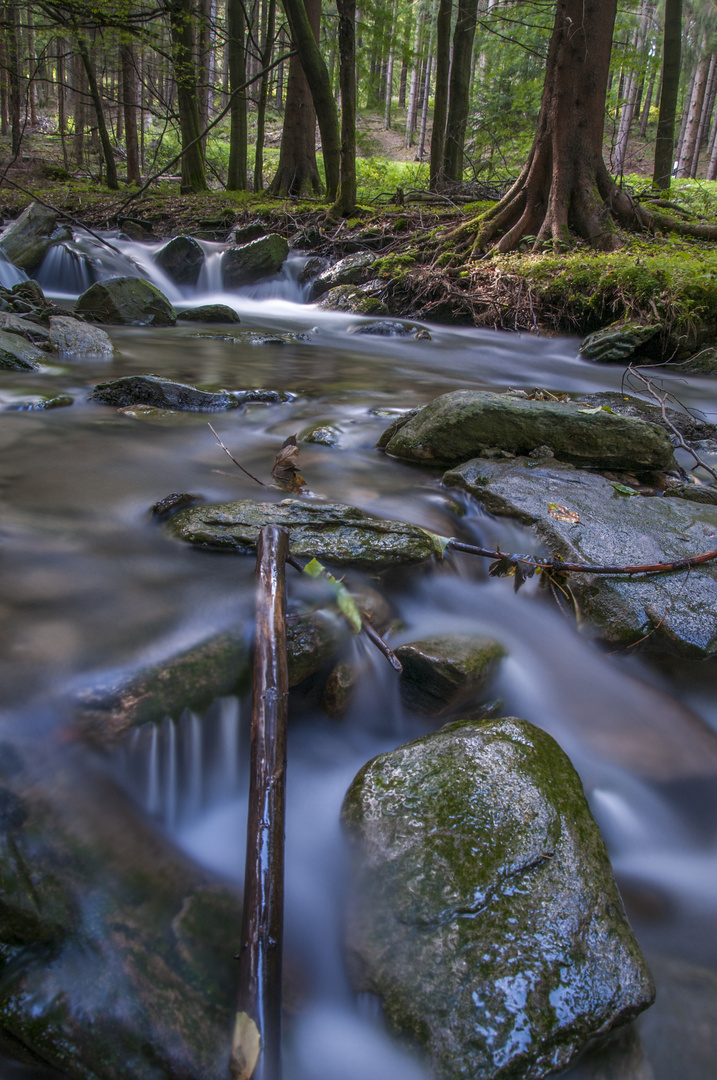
{"type": "Point", "coordinates": [323, 432]}
{"type": "Point", "coordinates": [339, 690]}
{"type": "Point", "coordinates": [617, 342]}
{"type": "Point", "coordinates": [396, 424]}
{"type": "Point", "coordinates": [36, 402]}
{"type": "Point", "coordinates": [674, 612]}
{"type": "Point", "coordinates": [161, 394]}
{"type": "Point", "coordinates": [17, 354]}
{"type": "Point", "coordinates": [332, 533]}
{"type": "Point", "coordinates": [702, 363]}
{"type": "Point", "coordinates": [246, 264]}
{"type": "Point", "coordinates": [244, 234]}
{"type": "Point", "coordinates": [135, 229]}
{"type": "Point", "coordinates": [172, 503]}
{"type": "Point", "coordinates": [74, 338]}
{"type": "Point", "coordinates": [312, 638]}
{"type": "Point", "coordinates": [484, 913]}
{"type": "Point", "coordinates": [441, 673]}
{"type": "Point", "coordinates": [422, 335]}
{"type": "Point", "coordinates": [25, 240]}
{"type": "Point", "coordinates": [192, 680]}
{"type": "Point", "coordinates": [181, 259]}
{"type": "Point", "coordinates": [15, 324]}
{"type": "Point", "coordinates": [353, 270]}
{"type": "Point", "coordinates": [459, 425]}
{"type": "Point", "coordinates": [384, 328]}
{"type": "Point", "coordinates": [126, 301]}
{"type": "Point", "coordinates": [699, 493]}
{"type": "Point", "coordinates": [114, 949]}
{"type": "Point", "coordinates": [312, 268]}
{"type": "Point", "coordinates": [352, 299]}
{"type": "Point", "coordinates": [209, 313]}
{"type": "Point", "coordinates": [255, 337]}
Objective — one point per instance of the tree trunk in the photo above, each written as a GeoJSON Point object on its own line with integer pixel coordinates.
{"type": "Point", "coordinates": [236, 179]}
{"type": "Point", "coordinates": [694, 114]}
{"type": "Point", "coordinates": [263, 95]}
{"type": "Point", "coordinates": [686, 114]}
{"type": "Point", "coordinates": [4, 120]}
{"type": "Point", "coordinates": [389, 70]}
{"type": "Point", "coordinates": [707, 108]}
{"type": "Point", "coordinates": [298, 173]}
{"type": "Point", "coordinates": [31, 64]}
{"type": "Point", "coordinates": [459, 88]}
{"type": "Point", "coordinates": [194, 176]}
{"type": "Point", "coordinates": [424, 111]}
{"type": "Point", "coordinates": [204, 16]}
{"type": "Point", "coordinates": [346, 202]}
{"type": "Point", "coordinates": [564, 186]}
{"type": "Point", "coordinates": [129, 87]}
{"type": "Point", "coordinates": [13, 75]}
{"type": "Point", "coordinates": [646, 106]}
{"type": "Point", "coordinates": [412, 94]}
{"type": "Point", "coordinates": [440, 101]}
{"type": "Point", "coordinates": [631, 87]}
{"type": "Point", "coordinates": [305, 40]}
{"type": "Point", "coordinates": [79, 110]}
{"type": "Point", "coordinates": [671, 57]}
{"type": "Point", "coordinates": [105, 142]}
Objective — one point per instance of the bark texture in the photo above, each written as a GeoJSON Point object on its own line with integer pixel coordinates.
{"type": "Point", "coordinates": [672, 53]}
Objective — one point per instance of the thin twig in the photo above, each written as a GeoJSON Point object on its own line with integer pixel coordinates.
{"type": "Point", "coordinates": [584, 568]}
{"type": "Point", "coordinates": [226, 451]}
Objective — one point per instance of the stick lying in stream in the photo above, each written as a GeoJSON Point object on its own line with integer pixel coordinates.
{"type": "Point", "coordinates": [581, 568]}
{"type": "Point", "coordinates": [259, 1000]}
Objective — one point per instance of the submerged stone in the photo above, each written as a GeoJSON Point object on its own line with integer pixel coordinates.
{"type": "Point", "coordinates": [484, 913]}
{"type": "Point", "coordinates": [384, 328]}
{"type": "Point", "coordinates": [615, 343]}
{"type": "Point", "coordinates": [161, 394]}
{"type": "Point", "coordinates": [260, 258]}
{"type": "Point", "coordinates": [462, 424]}
{"type": "Point", "coordinates": [332, 533]}
{"type": "Point", "coordinates": [441, 673]}
{"type": "Point", "coordinates": [35, 402]}
{"type": "Point", "coordinates": [311, 640]}
{"type": "Point", "coordinates": [74, 338]}
{"type": "Point", "coordinates": [181, 259]}
{"type": "Point", "coordinates": [323, 432]}
{"type": "Point", "coordinates": [126, 301]}
{"type": "Point", "coordinates": [675, 612]}
{"type": "Point", "coordinates": [17, 354]}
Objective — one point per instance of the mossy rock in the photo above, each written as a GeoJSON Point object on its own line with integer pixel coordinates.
{"type": "Point", "coordinates": [17, 354]}
{"type": "Point", "coordinates": [32, 331]}
{"type": "Point", "coordinates": [126, 301]}
{"type": "Point", "coordinates": [208, 313]}
{"type": "Point", "coordinates": [70, 337]}
{"type": "Point", "coordinates": [321, 431]}
{"type": "Point", "coordinates": [332, 533]}
{"type": "Point", "coordinates": [617, 342]}
{"type": "Point", "coordinates": [355, 269]}
{"type": "Point", "coordinates": [181, 260]}
{"type": "Point", "coordinates": [483, 910]}
{"type": "Point", "coordinates": [353, 300]}
{"type": "Point", "coordinates": [161, 393]}
{"type": "Point", "coordinates": [25, 240]}
{"type": "Point", "coordinates": [248, 263]}
{"type": "Point", "coordinates": [441, 673]}
{"type": "Point", "coordinates": [462, 424]}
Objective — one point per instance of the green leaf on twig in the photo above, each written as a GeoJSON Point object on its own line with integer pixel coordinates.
{"type": "Point", "coordinates": [344, 600]}
{"type": "Point", "coordinates": [440, 543]}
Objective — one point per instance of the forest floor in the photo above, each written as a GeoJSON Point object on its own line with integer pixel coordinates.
{"type": "Point", "coordinates": [657, 277]}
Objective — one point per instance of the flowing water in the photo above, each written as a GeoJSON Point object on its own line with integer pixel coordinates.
{"type": "Point", "coordinates": [91, 587]}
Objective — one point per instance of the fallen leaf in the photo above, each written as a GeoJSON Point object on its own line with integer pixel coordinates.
{"type": "Point", "coordinates": [440, 543]}
{"type": "Point", "coordinates": [246, 1044]}
{"type": "Point", "coordinates": [345, 601]}
{"type": "Point", "coordinates": [622, 489]}
{"type": "Point", "coordinates": [563, 514]}
{"type": "Point", "coordinates": [285, 471]}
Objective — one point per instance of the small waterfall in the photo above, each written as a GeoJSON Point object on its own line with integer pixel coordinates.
{"type": "Point", "coordinates": [9, 273]}
{"type": "Point", "coordinates": [65, 271]}
{"type": "Point", "coordinates": [177, 769]}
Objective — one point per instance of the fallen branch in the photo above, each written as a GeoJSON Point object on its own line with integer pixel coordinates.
{"type": "Point", "coordinates": [580, 568]}
{"type": "Point", "coordinates": [229, 454]}
{"type": "Point", "coordinates": [259, 1000]}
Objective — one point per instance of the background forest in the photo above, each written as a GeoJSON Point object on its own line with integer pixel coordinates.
{"type": "Point", "coordinates": [114, 92]}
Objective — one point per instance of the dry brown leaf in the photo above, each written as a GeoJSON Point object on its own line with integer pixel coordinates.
{"type": "Point", "coordinates": [246, 1044]}
{"type": "Point", "coordinates": [285, 471]}
{"type": "Point", "coordinates": [563, 514]}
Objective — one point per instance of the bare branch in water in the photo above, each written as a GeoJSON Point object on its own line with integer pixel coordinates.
{"type": "Point", "coordinates": [229, 453]}
{"type": "Point", "coordinates": [509, 561]}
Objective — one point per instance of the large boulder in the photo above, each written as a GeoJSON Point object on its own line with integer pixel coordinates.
{"type": "Point", "coordinates": [17, 354]}
{"type": "Point", "coordinates": [246, 264]}
{"type": "Point", "coordinates": [441, 673]}
{"type": "Point", "coordinates": [25, 240]}
{"type": "Point", "coordinates": [181, 259]}
{"type": "Point", "coordinates": [126, 301]}
{"type": "Point", "coordinates": [353, 270]}
{"type": "Point", "coordinates": [582, 517]}
{"type": "Point", "coordinates": [116, 954]}
{"type": "Point", "coordinates": [464, 423]}
{"type": "Point", "coordinates": [332, 533]}
{"type": "Point", "coordinates": [162, 394]}
{"type": "Point", "coordinates": [483, 912]}
{"type": "Point", "coordinates": [70, 337]}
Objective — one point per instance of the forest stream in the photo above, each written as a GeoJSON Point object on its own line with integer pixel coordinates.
{"type": "Point", "coordinates": [93, 588]}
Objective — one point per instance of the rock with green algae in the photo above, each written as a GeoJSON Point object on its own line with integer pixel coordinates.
{"type": "Point", "coordinates": [352, 299]}
{"type": "Point", "coordinates": [18, 354]}
{"type": "Point", "coordinates": [25, 240]}
{"type": "Point", "coordinates": [15, 324]}
{"type": "Point", "coordinates": [330, 532]}
{"type": "Point", "coordinates": [483, 911]}
{"type": "Point", "coordinates": [181, 260]}
{"type": "Point", "coordinates": [247, 263]}
{"type": "Point", "coordinates": [126, 301]}
{"type": "Point", "coordinates": [209, 313]}
{"type": "Point", "coordinates": [457, 426]}
{"type": "Point", "coordinates": [323, 432]}
{"type": "Point", "coordinates": [617, 342]}
{"type": "Point", "coordinates": [441, 673]}
{"type": "Point", "coordinates": [162, 393]}
{"type": "Point", "coordinates": [354, 269]}
{"type": "Point", "coordinates": [115, 953]}
{"type": "Point", "coordinates": [673, 613]}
